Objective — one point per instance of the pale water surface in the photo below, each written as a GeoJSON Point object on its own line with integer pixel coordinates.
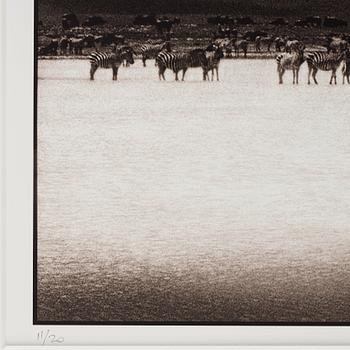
{"type": "Point", "coordinates": [192, 201]}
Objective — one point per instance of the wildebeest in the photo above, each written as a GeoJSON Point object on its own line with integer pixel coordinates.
{"type": "Point", "coordinates": [279, 43]}
{"type": "Point", "coordinates": [63, 45]}
{"type": "Point", "coordinates": [333, 22]}
{"type": "Point", "coordinates": [279, 22]}
{"type": "Point", "coordinates": [220, 19]}
{"type": "Point", "coordinates": [252, 35]}
{"type": "Point", "coordinates": [225, 32]}
{"type": "Point", "coordinates": [164, 25]}
{"type": "Point", "coordinates": [69, 20]}
{"type": "Point", "coordinates": [337, 45]}
{"type": "Point", "coordinates": [263, 41]}
{"type": "Point", "coordinates": [240, 45]}
{"type": "Point", "coordinates": [145, 20]}
{"type": "Point", "coordinates": [76, 45]}
{"type": "Point", "coordinates": [244, 21]}
{"type": "Point", "coordinates": [310, 21]}
{"type": "Point", "coordinates": [50, 49]}
{"type": "Point", "coordinates": [314, 21]}
{"type": "Point", "coordinates": [92, 21]}
{"type": "Point", "coordinates": [301, 23]}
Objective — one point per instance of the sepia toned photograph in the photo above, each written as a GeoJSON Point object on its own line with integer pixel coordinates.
{"type": "Point", "coordinates": [192, 162]}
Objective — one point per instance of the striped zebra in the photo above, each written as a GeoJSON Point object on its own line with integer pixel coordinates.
{"type": "Point", "coordinates": [213, 56]}
{"type": "Point", "coordinates": [180, 62]}
{"type": "Point", "coordinates": [325, 62]}
{"type": "Point", "coordinates": [109, 60]}
{"type": "Point", "coordinates": [290, 61]}
{"type": "Point", "coordinates": [150, 51]}
{"type": "Point", "coordinates": [346, 67]}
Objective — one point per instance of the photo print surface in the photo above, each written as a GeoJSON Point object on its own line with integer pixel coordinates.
{"type": "Point", "coordinates": [192, 162]}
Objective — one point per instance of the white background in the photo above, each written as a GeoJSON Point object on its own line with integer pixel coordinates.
{"type": "Point", "coordinates": [17, 199]}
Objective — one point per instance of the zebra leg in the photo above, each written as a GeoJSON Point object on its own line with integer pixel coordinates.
{"type": "Point", "coordinates": [93, 70]}
{"type": "Point", "coordinates": [314, 72]}
{"type": "Point", "coordinates": [217, 73]}
{"type": "Point", "coordinates": [309, 75]}
{"type": "Point", "coordinates": [297, 74]}
{"type": "Point", "coordinates": [115, 72]}
{"type": "Point", "coordinates": [161, 71]}
{"type": "Point", "coordinates": [144, 60]}
{"type": "Point", "coordinates": [204, 74]}
{"type": "Point", "coordinates": [183, 73]}
{"type": "Point", "coordinates": [280, 74]}
{"type": "Point", "coordinates": [294, 76]}
{"type": "Point", "coordinates": [348, 78]}
{"type": "Point", "coordinates": [176, 75]}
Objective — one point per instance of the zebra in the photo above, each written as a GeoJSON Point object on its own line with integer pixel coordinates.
{"type": "Point", "coordinates": [324, 61]}
{"type": "Point", "coordinates": [180, 61]}
{"type": "Point", "coordinates": [290, 61]}
{"type": "Point", "coordinates": [346, 67]}
{"type": "Point", "coordinates": [126, 62]}
{"type": "Point", "coordinates": [294, 45]}
{"type": "Point", "coordinates": [109, 60]}
{"type": "Point", "coordinates": [213, 56]}
{"type": "Point", "coordinates": [150, 51]}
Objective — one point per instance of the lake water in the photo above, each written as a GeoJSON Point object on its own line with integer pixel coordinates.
{"type": "Point", "coordinates": [192, 201]}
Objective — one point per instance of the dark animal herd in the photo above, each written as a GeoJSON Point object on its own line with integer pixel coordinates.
{"type": "Point", "coordinates": [225, 41]}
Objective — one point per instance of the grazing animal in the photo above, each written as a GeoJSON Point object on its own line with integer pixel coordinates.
{"type": "Point", "coordinates": [180, 62]}
{"type": "Point", "coordinates": [294, 45]}
{"type": "Point", "coordinates": [50, 49]}
{"type": "Point", "coordinates": [76, 46]}
{"type": "Point", "coordinates": [325, 62]}
{"type": "Point", "coordinates": [267, 41]}
{"type": "Point", "coordinates": [63, 45]}
{"type": "Point", "coordinates": [130, 50]}
{"type": "Point", "coordinates": [346, 67]}
{"type": "Point", "coordinates": [213, 56]}
{"type": "Point", "coordinates": [290, 61]}
{"type": "Point", "coordinates": [337, 45]}
{"type": "Point", "coordinates": [109, 60]}
{"type": "Point", "coordinates": [241, 45]}
{"type": "Point", "coordinates": [279, 43]}
{"type": "Point", "coordinates": [150, 51]}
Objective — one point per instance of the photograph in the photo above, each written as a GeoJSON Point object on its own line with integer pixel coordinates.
{"type": "Point", "coordinates": [191, 162]}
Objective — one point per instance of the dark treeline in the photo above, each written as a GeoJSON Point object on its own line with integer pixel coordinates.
{"type": "Point", "coordinates": [234, 7]}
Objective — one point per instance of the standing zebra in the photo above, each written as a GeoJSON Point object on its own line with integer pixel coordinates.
{"type": "Point", "coordinates": [324, 61]}
{"type": "Point", "coordinates": [150, 51]}
{"type": "Point", "coordinates": [346, 67]}
{"type": "Point", "coordinates": [213, 56]}
{"type": "Point", "coordinates": [109, 60]}
{"type": "Point", "coordinates": [180, 61]}
{"type": "Point", "coordinates": [290, 61]}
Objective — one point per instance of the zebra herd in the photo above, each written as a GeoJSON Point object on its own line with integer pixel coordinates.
{"type": "Point", "coordinates": [209, 58]}
{"type": "Point", "coordinates": [316, 60]}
